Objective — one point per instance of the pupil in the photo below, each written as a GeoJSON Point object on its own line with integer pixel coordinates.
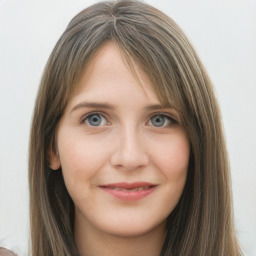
{"type": "Point", "coordinates": [158, 121]}
{"type": "Point", "coordinates": [95, 120]}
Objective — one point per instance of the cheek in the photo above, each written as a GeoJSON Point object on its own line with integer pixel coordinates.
{"type": "Point", "coordinates": [177, 156]}
{"type": "Point", "coordinates": [172, 158]}
{"type": "Point", "coordinates": [80, 160]}
{"type": "Point", "coordinates": [174, 167]}
{"type": "Point", "coordinates": [172, 153]}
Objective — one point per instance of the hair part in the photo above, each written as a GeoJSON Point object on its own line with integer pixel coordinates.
{"type": "Point", "coordinates": [202, 222]}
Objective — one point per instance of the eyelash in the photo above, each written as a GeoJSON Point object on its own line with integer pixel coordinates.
{"type": "Point", "coordinates": [170, 118]}
{"type": "Point", "coordinates": [84, 118]}
{"type": "Point", "coordinates": [162, 114]}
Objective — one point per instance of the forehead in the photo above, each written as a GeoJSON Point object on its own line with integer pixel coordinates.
{"type": "Point", "coordinates": [108, 74]}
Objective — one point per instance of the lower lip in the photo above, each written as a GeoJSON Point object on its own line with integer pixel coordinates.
{"type": "Point", "coordinates": [129, 195]}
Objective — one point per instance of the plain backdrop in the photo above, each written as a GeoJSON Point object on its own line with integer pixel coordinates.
{"type": "Point", "coordinates": [223, 33]}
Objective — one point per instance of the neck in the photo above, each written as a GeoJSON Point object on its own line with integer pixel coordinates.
{"type": "Point", "coordinates": [98, 243]}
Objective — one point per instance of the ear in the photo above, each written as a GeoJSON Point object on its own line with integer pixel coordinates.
{"type": "Point", "coordinates": [53, 158]}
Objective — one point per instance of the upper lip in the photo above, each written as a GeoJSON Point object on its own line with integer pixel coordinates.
{"type": "Point", "coordinates": [127, 185]}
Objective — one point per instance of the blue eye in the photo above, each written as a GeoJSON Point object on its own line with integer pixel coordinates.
{"type": "Point", "coordinates": [95, 120]}
{"type": "Point", "coordinates": [161, 120]}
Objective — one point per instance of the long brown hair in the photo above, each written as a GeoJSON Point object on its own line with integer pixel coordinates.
{"type": "Point", "coordinates": [202, 222]}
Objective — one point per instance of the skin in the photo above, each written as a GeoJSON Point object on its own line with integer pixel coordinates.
{"type": "Point", "coordinates": [128, 145]}
{"type": "Point", "coordinates": [6, 252]}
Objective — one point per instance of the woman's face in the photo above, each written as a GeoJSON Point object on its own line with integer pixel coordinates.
{"type": "Point", "coordinates": [124, 158]}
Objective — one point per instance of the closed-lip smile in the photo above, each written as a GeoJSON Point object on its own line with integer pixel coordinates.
{"type": "Point", "coordinates": [129, 191]}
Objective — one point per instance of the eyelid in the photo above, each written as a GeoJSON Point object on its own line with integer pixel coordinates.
{"type": "Point", "coordinates": [104, 115]}
{"type": "Point", "coordinates": [166, 114]}
{"type": "Point", "coordinates": [91, 113]}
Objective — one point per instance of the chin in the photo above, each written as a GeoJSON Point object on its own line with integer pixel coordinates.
{"type": "Point", "coordinates": [135, 229]}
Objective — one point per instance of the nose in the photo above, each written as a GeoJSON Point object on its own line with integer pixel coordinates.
{"type": "Point", "coordinates": [130, 151]}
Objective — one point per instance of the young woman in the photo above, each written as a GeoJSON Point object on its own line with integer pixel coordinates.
{"type": "Point", "coordinates": [127, 155]}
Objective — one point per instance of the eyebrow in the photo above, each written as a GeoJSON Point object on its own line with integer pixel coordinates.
{"type": "Point", "coordinates": [92, 105]}
{"type": "Point", "coordinates": [155, 107]}
{"type": "Point", "coordinates": [111, 107]}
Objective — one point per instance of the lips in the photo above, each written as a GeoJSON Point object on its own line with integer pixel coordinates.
{"type": "Point", "coordinates": [129, 191]}
{"type": "Point", "coordinates": [125, 189]}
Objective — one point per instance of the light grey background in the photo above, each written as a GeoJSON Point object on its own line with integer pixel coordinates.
{"type": "Point", "coordinates": [222, 31]}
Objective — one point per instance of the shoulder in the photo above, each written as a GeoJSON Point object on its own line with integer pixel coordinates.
{"type": "Point", "coordinates": [6, 252]}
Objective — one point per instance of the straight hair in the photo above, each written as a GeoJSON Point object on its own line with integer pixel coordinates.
{"type": "Point", "coordinates": [202, 222]}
